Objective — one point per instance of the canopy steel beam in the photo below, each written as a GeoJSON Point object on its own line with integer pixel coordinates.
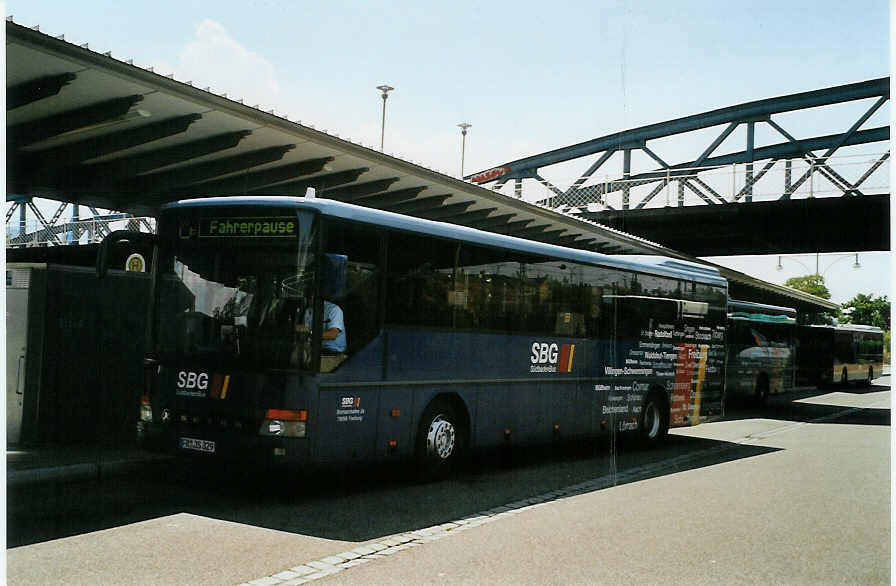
{"type": "Point", "coordinates": [28, 133]}
{"type": "Point", "coordinates": [319, 182]}
{"type": "Point", "coordinates": [512, 228]}
{"type": "Point", "coordinates": [417, 205]}
{"type": "Point", "coordinates": [54, 165]}
{"type": "Point", "coordinates": [176, 179]}
{"type": "Point", "coordinates": [549, 237]}
{"type": "Point", "coordinates": [445, 211]}
{"type": "Point", "coordinates": [246, 182]}
{"type": "Point", "coordinates": [470, 218]}
{"type": "Point", "coordinates": [359, 189]}
{"type": "Point", "coordinates": [36, 90]}
{"type": "Point", "coordinates": [531, 232]}
{"type": "Point", "coordinates": [492, 222]}
{"type": "Point", "coordinates": [120, 168]}
{"type": "Point", "coordinates": [388, 198]}
{"type": "Point", "coordinates": [113, 142]}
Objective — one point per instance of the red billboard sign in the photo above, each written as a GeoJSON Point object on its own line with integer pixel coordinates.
{"type": "Point", "coordinates": [490, 174]}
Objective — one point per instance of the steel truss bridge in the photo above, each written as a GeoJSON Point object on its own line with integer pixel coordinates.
{"type": "Point", "coordinates": [91, 132]}
{"type": "Point", "coordinates": [22, 232]}
{"type": "Point", "coordinates": [791, 185]}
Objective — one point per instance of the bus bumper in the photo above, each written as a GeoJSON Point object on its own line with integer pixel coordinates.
{"type": "Point", "coordinates": [242, 449]}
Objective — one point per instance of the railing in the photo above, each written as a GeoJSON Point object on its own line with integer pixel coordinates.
{"type": "Point", "coordinates": [852, 175]}
{"type": "Point", "coordinates": [36, 233]}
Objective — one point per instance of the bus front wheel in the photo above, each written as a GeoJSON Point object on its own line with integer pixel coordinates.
{"type": "Point", "coordinates": [440, 440]}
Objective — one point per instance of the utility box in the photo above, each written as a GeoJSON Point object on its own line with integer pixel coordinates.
{"type": "Point", "coordinates": [17, 287]}
{"type": "Point", "coordinates": [75, 345]}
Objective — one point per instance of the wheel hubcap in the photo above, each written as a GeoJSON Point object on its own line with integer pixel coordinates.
{"type": "Point", "coordinates": [440, 439]}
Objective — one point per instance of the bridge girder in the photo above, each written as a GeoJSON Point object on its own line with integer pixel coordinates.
{"type": "Point", "coordinates": [832, 224]}
{"type": "Point", "coordinates": [687, 174]}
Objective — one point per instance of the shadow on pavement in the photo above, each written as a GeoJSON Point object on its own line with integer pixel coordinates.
{"type": "Point", "coordinates": [349, 504]}
{"type": "Point", "coordinates": [798, 407]}
{"type": "Point", "coordinates": [363, 503]}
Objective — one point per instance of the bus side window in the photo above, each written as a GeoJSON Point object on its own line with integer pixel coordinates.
{"type": "Point", "coordinates": [358, 295]}
{"type": "Point", "coordinates": [419, 279]}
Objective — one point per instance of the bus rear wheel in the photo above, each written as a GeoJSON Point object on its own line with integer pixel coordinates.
{"type": "Point", "coordinates": [654, 424]}
{"type": "Point", "coordinates": [440, 440]}
{"type": "Point", "coordinates": [867, 381]}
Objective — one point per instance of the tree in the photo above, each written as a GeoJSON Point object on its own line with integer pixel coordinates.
{"type": "Point", "coordinates": [812, 284]}
{"type": "Point", "coordinates": [867, 310]}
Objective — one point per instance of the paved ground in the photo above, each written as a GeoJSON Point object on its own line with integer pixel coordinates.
{"type": "Point", "coordinates": [812, 510]}
{"type": "Point", "coordinates": [795, 494]}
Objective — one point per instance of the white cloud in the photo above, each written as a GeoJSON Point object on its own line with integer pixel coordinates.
{"type": "Point", "coordinates": [214, 58]}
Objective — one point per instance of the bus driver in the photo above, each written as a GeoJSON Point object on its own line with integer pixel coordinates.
{"type": "Point", "coordinates": [333, 328]}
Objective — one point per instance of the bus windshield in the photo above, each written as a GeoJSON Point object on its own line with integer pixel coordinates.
{"type": "Point", "coordinates": [234, 285]}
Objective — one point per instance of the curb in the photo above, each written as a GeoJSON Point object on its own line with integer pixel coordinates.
{"type": "Point", "coordinates": [81, 472]}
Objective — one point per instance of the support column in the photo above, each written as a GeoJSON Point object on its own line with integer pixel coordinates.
{"type": "Point", "coordinates": [788, 177]}
{"type": "Point", "coordinates": [751, 135]}
{"type": "Point", "coordinates": [23, 226]}
{"type": "Point", "coordinates": [76, 227]}
{"type": "Point", "coordinates": [626, 174]}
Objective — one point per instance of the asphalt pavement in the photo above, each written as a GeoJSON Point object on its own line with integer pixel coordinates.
{"type": "Point", "coordinates": [58, 464]}
{"type": "Point", "coordinates": [797, 493]}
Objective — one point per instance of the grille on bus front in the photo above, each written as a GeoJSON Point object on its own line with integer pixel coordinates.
{"type": "Point", "coordinates": [213, 422]}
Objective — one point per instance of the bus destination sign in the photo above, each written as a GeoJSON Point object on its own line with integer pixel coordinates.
{"type": "Point", "coordinates": [245, 227]}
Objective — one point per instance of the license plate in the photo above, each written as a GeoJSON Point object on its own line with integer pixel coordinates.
{"type": "Point", "coordinates": [197, 445]}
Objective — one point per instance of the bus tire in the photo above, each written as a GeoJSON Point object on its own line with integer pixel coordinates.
{"type": "Point", "coordinates": [653, 425]}
{"type": "Point", "coordinates": [867, 381]}
{"type": "Point", "coordinates": [762, 390]}
{"type": "Point", "coordinates": [441, 438]}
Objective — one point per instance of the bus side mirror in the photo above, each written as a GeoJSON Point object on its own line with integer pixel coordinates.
{"type": "Point", "coordinates": [108, 244]}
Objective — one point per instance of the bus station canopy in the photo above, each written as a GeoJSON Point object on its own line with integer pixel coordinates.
{"type": "Point", "coordinates": [89, 128]}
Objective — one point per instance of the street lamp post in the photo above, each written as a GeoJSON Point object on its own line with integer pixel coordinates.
{"type": "Point", "coordinates": [855, 265]}
{"type": "Point", "coordinates": [385, 89]}
{"type": "Point", "coordinates": [463, 144]}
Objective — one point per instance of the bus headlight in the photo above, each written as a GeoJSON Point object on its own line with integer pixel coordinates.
{"type": "Point", "coordinates": [284, 423]}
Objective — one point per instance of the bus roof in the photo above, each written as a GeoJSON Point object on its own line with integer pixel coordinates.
{"type": "Point", "coordinates": [848, 328]}
{"type": "Point", "coordinates": [737, 306]}
{"type": "Point", "coordinates": [762, 317]}
{"type": "Point", "coordinates": [656, 265]}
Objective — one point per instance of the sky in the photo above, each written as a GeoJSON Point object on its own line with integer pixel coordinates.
{"type": "Point", "coordinates": [528, 76]}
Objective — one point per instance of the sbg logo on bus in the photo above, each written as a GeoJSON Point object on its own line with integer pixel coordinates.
{"type": "Point", "coordinates": [191, 380]}
{"type": "Point", "coordinates": [551, 357]}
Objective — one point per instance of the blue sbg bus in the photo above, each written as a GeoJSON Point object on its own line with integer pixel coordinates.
{"type": "Point", "coordinates": [451, 338]}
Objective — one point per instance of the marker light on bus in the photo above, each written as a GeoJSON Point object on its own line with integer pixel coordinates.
{"type": "Point", "coordinates": [145, 409]}
{"type": "Point", "coordinates": [287, 414]}
{"type": "Point", "coordinates": [284, 423]}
